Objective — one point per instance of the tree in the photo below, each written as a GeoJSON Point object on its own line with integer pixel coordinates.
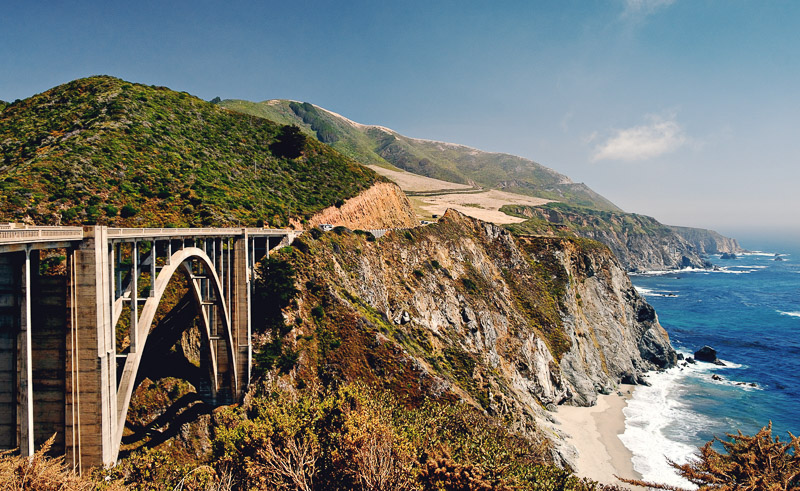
{"type": "Point", "coordinates": [749, 463]}
{"type": "Point", "coordinates": [289, 143]}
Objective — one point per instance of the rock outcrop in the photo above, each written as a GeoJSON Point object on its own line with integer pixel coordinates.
{"type": "Point", "coordinates": [384, 205]}
{"type": "Point", "coordinates": [640, 242]}
{"type": "Point", "coordinates": [464, 308]}
{"type": "Point", "coordinates": [708, 241]}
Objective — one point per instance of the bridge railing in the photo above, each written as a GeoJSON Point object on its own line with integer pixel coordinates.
{"type": "Point", "coordinates": [55, 234]}
{"type": "Point", "coordinates": [21, 234]}
{"type": "Point", "coordinates": [132, 233]}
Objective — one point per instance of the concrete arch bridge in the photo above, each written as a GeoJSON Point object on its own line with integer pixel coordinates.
{"type": "Point", "coordinates": [71, 345]}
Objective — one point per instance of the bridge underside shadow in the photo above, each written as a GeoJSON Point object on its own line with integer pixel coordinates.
{"type": "Point", "coordinates": [173, 385]}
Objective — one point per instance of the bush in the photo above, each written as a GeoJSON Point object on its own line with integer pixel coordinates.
{"type": "Point", "coordinates": [128, 211]}
{"type": "Point", "coordinates": [289, 143]}
{"type": "Point", "coordinates": [41, 472]}
{"type": "Point", "coordinates": [749, 462]}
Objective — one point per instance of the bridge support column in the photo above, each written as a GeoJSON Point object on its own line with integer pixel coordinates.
{"type": "Point", "coordinates": [240, 310]}
{"type": "Point", "coordinates": [9, 314]}
{"type": "Point", "coordinates": [91, 401]}
{"type": "Point", "coordinates": [25, 358]}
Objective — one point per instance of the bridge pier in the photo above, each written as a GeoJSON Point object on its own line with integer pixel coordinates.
{"type": "Point", "coordinates": [91, 385]}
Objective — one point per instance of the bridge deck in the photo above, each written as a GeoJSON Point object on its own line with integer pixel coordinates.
{"type": "Point", "coordinates": [15, 238]}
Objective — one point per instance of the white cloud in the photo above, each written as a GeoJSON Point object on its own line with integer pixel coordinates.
{"type": "Point", "coordinates": [643, 142]}
{"type": "Point", "coordinates": [644, 7]}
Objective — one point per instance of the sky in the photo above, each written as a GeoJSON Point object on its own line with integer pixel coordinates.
{"type": "Point", "coordinates": [684, 110]}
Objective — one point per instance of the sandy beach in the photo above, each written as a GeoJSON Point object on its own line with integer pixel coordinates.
{"type": "Point", "coordinates": [594, 433]}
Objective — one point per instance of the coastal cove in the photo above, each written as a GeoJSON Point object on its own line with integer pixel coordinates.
{"type": "Point", "coordinates": [748, 309]}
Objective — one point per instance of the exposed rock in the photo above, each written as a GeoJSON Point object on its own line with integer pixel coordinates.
{"type": "Point", "coordinates": [716, 377]}
{"type": "Point", "coordinates": [381, 206]}
{"type": "Point", "coordinates": [691, 360]}
{"type": "Point", "coordinates": [534, 320]}
{"type": "Point", "coordinates": [640, 242]}
{"type": "Point", "coordinates": [708, 241]}
{"type": "Point", "coordinates": [706, 353]}
{"type": "Point", "coordinates": [728, 255]}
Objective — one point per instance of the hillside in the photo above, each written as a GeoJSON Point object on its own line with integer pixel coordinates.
{"type": "Point", "coordinates": [509, 324]}
{"type": "Point", "coordinates": [377, 145]}
{"type": "Point", "coordinates": [641, 243]}
{"type": "Point", "coordinates": [102, 150]}
{"type": "Point", "coordinates": [708, 241]}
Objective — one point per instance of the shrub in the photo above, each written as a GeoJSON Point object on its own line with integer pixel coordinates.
{"type": "Point", "coordinates": [41, 472]}
{"type": "Point", "coordinates": [748, 462]}
{"type": "Point", "coordinates": [128, 211]}
{"type": "Point", "coordinates": [289, 143]}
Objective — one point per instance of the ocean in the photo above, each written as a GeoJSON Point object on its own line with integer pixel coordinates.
{"type": "Point", "coordinates": [749, 311]}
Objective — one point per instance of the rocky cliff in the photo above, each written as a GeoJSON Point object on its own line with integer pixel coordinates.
{"type": "Point", "coordinates": [384, 205]}
{"type": "Point", "coordinates": [708, 241]}
{"type": "Point", "coordinates": [464, 310]}
{"type": "Point", "coordinates": [641, 243]}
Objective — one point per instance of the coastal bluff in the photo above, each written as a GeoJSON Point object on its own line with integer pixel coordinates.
{"type": "Point", "coordinates": [463, 309]}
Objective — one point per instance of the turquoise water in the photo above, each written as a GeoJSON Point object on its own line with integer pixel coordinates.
{"type": "Point", "coordinates": [749, 311]}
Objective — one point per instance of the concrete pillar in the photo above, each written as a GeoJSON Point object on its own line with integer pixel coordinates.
{"type": "Point", "coordinates": [240, 309]}
{"type": "Point", "coordinates": [9, 332]}
{"type": "Point", "coordinates": [91, 402]}
{"type": "Point", "coordinates": [25, 358]}
{"type": "Point", "coordinates": [49, 321]}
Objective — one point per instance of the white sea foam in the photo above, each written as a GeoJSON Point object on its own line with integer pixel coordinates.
{"type": "Point", "coordinates": [722, 269]}
{"type": "Point", "coordinates": [647, 292]}
{"type": "Point", "coordinates": [652, 410]}
{"type": "Point", "coordinates": [790, 314]}
{"type": "Point", "coordinates": [658, 408]}
{"type": "Point", "coordinates": [758, 253]}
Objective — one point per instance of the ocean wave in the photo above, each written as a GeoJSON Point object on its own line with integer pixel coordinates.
{"type": "Point", "coordinates": [647, 292]}
{"type": "Point", "coordinates": [790, 314]}
{"type": "Point", "coordinates": [722, 270]}
{"type": "Point", "coordinates": [662, 272]}
{"type": "Point", "coordinates": [648, 414]}
{"type": "Point", "coordinates": [757, 253]}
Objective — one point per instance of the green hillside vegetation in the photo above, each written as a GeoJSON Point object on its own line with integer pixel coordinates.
{"type": "Point", "coordinates": [374, 145]}
{"type": "Point", "coordinates": [102, 150]}
{"type": "Point", "coordinates": [570, 221]}
{"type": "Point", "coordinates": [3, 105]}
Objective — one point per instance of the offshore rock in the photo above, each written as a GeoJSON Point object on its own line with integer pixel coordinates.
{"type": "Point", "coordinates": [707, 354]}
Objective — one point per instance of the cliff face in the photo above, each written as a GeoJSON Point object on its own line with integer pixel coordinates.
{"type": "Point", "coordinates": [640, 242]}
{"type": "Point", "coordinates": [708, 241]}
{"type": "Point", "coordinates": [462, 309]}
{"type": "Point", "coordinates": [384, 205]}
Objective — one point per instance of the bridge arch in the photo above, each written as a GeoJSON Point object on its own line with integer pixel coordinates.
{"type": "Point", "coordinates": [181, 262]}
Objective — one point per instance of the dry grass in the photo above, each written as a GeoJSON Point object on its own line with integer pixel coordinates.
{"type": "Point", "coordinates": [43, 473]}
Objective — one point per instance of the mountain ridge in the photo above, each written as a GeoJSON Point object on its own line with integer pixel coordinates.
{"type": "Point", "coordinates": [458, 163]}
{"type": "Point", "coordinates": [103, 150]}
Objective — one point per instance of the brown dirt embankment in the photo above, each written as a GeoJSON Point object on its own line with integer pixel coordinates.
{"type": "Point", "coordinates": [384, 205]}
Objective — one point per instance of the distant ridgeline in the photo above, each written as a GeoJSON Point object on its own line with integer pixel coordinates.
{"type": "Point", "coordinates": [102, 150]}
{"type": "Point", "coordinates": [640, 242]}
{"type": "Point", "coordinates": [376, 145]}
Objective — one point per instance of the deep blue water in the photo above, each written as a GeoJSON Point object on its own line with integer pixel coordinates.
{"type": "Point", "coordinates": [749, 311]}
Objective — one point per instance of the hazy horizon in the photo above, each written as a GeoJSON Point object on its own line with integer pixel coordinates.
{"type": "Point", "coordinates": [684, 111]}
